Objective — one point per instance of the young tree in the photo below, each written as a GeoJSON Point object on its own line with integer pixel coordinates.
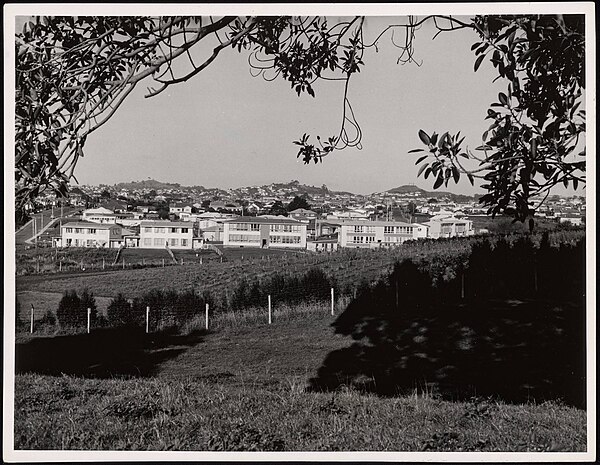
{"type": "Point", "coordinates": [298, 202]}
{"type": "Point", "coordinates": [73, 73]}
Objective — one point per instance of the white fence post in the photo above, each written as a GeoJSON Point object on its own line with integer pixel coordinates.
{"type": "Point", "coordinates": [31, 329]}
{"type": "Point", "coordinates": [123, 262]}
{"type": "Point", "coordinates": [59, 266]}
{"type": "Point", "coordinates": [270, 319]}
{"type": "Point", "coordinates": [103, 263]}
{"type": "Point", "coordinates": [147, 319]}
{"type": "Point", "coordinates": [206, 318]}
{"type": "Point", "coordinates": [332, 302]}
{"type": "Point", "coordinates": [163, 265]}
{"type": "Point", "coordinates": [89, 314]}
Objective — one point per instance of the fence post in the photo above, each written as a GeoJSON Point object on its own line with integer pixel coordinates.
{"type": "Point", "coordinates": [89, 315]}
{"type": "Point", "coordinates": [200, 260]}
{"type": "Point", "coordinates": [462, 285]}
{"type": "Point", "coordinates": [270, 309]}
{"type": "Point", "coordinates": [332, 302]}
{"type": "Point", "coordinates": [143, 261]}
{"type": "Point", "coordinates": [31, 329]}
{"type": "Point", "coordinates": [38, 264]}
{"type": "Point", "coordinates": [59, 266]}
{"type": "Point", "coordinates": [163, 262]}
{"type": "Point", "coordinates": [206, 317]}
{"type": "Point", "coordinates": [103, 263]}
{"type": "Point", "coordinates": [147, 319]}
{"type": "Point", "coordinates": [123, 262]}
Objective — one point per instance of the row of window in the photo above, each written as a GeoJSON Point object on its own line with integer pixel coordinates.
{"type": "Point", "coordinates": [364, 229]}
{"type": "Point", "coordinates": [159, 241]}
{"type": "Point", "coordinates": [285, 228]}
{"type": "Point", "coordinates": [244, 227]}
{"type": "Point", "coordinates": [243, 238]}
{"type": "Point", "coordinates": [362, 239]}
{"type": "Point", "coordinates": [81, 230]}
{"type": "Point", "coordinates": [398, 229]}
{"type": "Point", "coordinates": [285, 239]}
{"type": "Point", "coordinates": [148, 229]}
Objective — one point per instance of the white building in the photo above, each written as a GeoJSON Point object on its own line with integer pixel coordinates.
{"type": "Point", "coordinates": [99, 215]}
{"type": "Point", "coordinates": [90, 234]}
{"type": "Point", "coordinates": [159, 234]}
{"type": "Point", "coordinates": [373, 234]}
{"type": "Point", "coordinates": [447, 225]}
{"type": "Point", "coordinates": [249, 231]}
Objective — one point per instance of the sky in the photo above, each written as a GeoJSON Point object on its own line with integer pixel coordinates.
{"type": "Point", "coordinates": [225, 128]}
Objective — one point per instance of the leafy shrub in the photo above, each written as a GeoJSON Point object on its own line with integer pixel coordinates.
{"type": "Point", "coordinates": [72, 309]}
{"type": "Point", "coordinates": [120, 312]}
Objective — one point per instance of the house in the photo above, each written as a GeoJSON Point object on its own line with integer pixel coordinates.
{"type": "Point", "coordinates": [213, 233]}
{"type": "Point", "coordinates": [323, 244]}
{"type": "Point", "coordinates": [250, 231]}
{"type": "Point", "coordinates": [99, 215]}
{"type": "Point", "coordinates": [178, 208]}
{"type": "Point", "coordinates": [160, 234]}
{"type": "Point", "coordinates": [448, 225]}
{"type": "Point", "coordinates": [209, 219]}
{"type": "Point", "coordinates": [303, 214]}
{"type": "Point", "coordinates": [574, 219]}
{"type": "Point", "coordinates": [373, 234]}
{"type": "Point", "coordinates": [90, 234]}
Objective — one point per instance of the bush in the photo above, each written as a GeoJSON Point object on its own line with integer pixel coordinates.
{"type": "Point", "coordinates": [72, 309]}
{"type": "Point", "coordinates": [120, 312]}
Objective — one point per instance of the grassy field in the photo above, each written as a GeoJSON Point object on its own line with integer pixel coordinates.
{"type": "Point", "coordinates": [244, 388]}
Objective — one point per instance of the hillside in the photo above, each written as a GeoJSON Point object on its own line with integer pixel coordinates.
{"type": "Point", "coordinates": [147, 184]}
{"type": "Point", "coordinates": [410, 189]}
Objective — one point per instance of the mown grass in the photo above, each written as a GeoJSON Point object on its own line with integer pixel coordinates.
{"type": "Point", "coordinates": [192, 414]}
{"type": "Point", "coordinates": [243, 387]}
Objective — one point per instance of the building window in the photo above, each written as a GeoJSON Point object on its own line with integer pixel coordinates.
{"type": "Point", "coordinates": [254, 227]}
{"type": "Point", "coordinates": [68, 230]}
{"type": "Point", "coordinates": [159, 241]}
{"type": "Point", "coordinates": [369, 239]}
{"type": "Point", "coordinates": [147, 241]}
{"type": "Point", "coordinates": [184, 242]}
{"type": "Point", "coordinates": [184, 230]}
{"type": "Point", "coordinates": [92, 231]}
{"type": "Point", "coordinates": [174, 241]}
{"type": "Point", "coordinates": [78, 230]}
{"type": "Point", "coordinates": [148, 230]}
{"type": "Point", "coordinates": [173, 230]}
{"type": "Point", "coordinates": [388, 229]}
{"type": "Point", "coordinates": [358, 229]}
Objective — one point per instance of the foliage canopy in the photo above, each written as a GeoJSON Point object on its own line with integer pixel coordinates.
{"type": "Point", "coordinates": [73, 73]}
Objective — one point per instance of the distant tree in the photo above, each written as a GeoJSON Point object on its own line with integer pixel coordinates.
{"type": "Point", "coordinates": [205, 204]}
{"type": "Point", "coordinates": [105, 194]}
{"type": "Point", "coordinates": [298, 202]}
{"type": "Point", "coordinates": [72, 309]}
{"type": "Point", "coordinates": [163, 212]}
{"type": "Point", "coordinates": [278, 209]}
{"type": "Point", "coordinates": [120, 312]}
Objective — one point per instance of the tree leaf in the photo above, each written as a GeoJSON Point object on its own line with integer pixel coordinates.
{"type": "Point", "coordinates": [416, 150]}
{"type": "Point", "coordinates": [424, 137]}
{"type": "Point", "coordinates": [439, 181]}
{"type": "Point", "coordinates": [478, 62]}
{"type": "Point", "coordinates": [420, 159]}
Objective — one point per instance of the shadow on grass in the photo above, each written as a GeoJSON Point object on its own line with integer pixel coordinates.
{"type": "Point", "coordinates": [516, 351]}
{"type": "Point", "coordinates": [104, 353]}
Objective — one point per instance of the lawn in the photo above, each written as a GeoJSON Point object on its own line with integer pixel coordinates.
{"type": "Point", "coordinates": [245, 388]}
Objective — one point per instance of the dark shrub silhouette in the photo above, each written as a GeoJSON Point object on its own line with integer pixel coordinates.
{"type": "Point", "coordinates": [502, 340]}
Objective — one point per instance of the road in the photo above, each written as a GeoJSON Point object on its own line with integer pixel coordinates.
{"type": "Point", "coordinates": [42, 220]}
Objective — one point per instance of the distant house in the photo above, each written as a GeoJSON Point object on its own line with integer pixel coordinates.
{"type": "Point", "coordinates": [575, 220]}
{"type": "Point", "coordinates": [90, 234]}
{"type": "Point", "coordinates": [178, 208]}
{"type": "Point", "coordinates": [99, 215]}
{"type": "Point", "coordinates": [250, 231]}
{"type": "Point", "coordinates": [303, 214]}
{"type": "Point", "coordinates": [323, 244]}
{"type": "Point", "coordinates": [448, 225]}
{"type": "Point", "coordinates": [373, 234]}
{"type": "Point", "coordinates": [213, 233]}
{"type": "Point", "coordinates": [160, 234]}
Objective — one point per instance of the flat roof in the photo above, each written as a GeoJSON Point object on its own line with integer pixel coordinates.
{"type": "Point", "coordinates": [258, 219]}
{"type": "Point", "coordinates": [167, 224]}
{"type": "Point", "coordinates": [89, 224]}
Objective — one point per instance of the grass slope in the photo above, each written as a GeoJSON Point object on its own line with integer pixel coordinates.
{"type": "Point", "coordinates": [243, 388]}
